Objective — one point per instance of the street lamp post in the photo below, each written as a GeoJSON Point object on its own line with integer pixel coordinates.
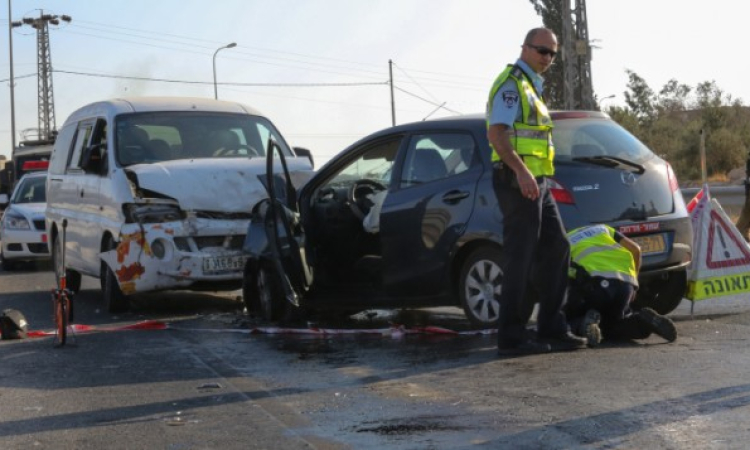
{"type": "Point", "coordinates": [216, 91]}
{"type": "Point", "coordinates": [609, 97]}
{"type": "Point", "coordinates": [12, 86]}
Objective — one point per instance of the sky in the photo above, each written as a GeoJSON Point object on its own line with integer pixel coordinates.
{"type": "Point", "coordinates": [319, 68]}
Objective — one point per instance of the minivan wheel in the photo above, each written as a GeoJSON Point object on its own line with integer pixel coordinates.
{"type": "Point", "coordinates": [664, 295]}
{"type": "Point", "coordinates": [72, 278]}
{"type": "Point", "coordinates": [114, 300]}
{"type": "Point", "coordinates": [480, 286]}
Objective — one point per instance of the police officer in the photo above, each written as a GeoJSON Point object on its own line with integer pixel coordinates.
{"type": "Point", "coordinates": [604, 278]}
{"type": "Point", "coordinates": [743, 223]}
{"type": "Point", "coordinates": [519, 130]}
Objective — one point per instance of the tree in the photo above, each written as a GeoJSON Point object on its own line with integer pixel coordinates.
{"type": "Point", "coordinates": [711, 102]}
{"type": "Point", "coordinates": [640, 98]}
{"type": "Point", "coordinates": [727, 150]}
{"type": "Point", "coordinates": [673, 97]}
{"type": "Point", "coordinates": [670, 124]}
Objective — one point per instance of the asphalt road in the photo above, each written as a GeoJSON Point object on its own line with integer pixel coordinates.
{"type": "Point", "coordinates": [207, 382]}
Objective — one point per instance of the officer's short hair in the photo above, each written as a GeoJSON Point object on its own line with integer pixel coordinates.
{"type": "Point", "coordinates": [533, 32]}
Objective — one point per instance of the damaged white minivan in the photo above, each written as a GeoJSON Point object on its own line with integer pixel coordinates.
{"type": "Point", "coordinates": [156, 193]}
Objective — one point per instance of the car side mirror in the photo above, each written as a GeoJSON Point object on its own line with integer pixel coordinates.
{"type": "Point", "coordinates": [4, 199]}
{"type": "Point", "coordinates": [93, 155]}
{"type": "Point", "coordinates": [299, 151]}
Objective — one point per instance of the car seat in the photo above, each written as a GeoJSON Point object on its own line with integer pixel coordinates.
{"type": "Point", "coordinates": [226, 142]}
{"type": "Point", "coordinates": [133, 146]}
{"type": "Point", "coordinates": [161, 149]}
{"type": "Point", "coordinates": [427, 165]}
{"type": "Point", "coordinates": [38, 196]}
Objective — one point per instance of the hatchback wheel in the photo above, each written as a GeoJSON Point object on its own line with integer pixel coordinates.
{"type": "Point", "coordinates": [480, 286]}
{"type": "Point", "coordinates": [262, 293]}
{"type": "Point", "coordinates": [663, 294]}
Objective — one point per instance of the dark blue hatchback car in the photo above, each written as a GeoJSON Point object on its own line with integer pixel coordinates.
{"type": "Point", "coordinates": [407, 217]}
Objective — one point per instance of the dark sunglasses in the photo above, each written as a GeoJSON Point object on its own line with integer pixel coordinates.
{"type": "Point", "coordinates": [542, 50]}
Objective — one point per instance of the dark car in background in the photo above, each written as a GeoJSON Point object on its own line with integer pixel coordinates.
{"type": "Point", "coordinates": [407, 217]}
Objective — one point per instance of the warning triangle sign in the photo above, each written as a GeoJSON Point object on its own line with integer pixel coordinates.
{"type": "Point", "coordinates": [721, 258]}
{"type": "Point", "coordinates": [724, 246]}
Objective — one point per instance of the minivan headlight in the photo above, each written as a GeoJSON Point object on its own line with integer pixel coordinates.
{"type": "Point", "coordinates": [151, 213]}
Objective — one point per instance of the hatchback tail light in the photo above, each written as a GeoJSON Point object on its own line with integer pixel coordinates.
{"type": "Point", "coordinates": [673, 184]}
{"type": "Point", "coordinates": [560, 194]}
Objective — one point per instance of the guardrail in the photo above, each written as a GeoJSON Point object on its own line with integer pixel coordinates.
{"type": "Point", "coordinates": [731, 198]}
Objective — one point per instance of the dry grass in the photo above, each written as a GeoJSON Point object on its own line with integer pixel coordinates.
{"type": "Point", "coordinates": [718, 178]}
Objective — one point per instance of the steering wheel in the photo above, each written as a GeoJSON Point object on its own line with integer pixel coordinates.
{"type": "Point", "coordinates": [358, 196]}
{"type": "Point", "coordinates": [237, 151]}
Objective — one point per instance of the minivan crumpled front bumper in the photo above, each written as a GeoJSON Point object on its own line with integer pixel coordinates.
{"type": "Point", "coordinates": [177, 255]}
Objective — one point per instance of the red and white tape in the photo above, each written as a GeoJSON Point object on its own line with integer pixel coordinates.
{"type": "Point", "coordinates": [394, 331]}
{"type": "Point", "coordinates": [79, 328]}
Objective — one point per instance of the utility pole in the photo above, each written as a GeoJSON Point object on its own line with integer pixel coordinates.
{"type": "Point", "coordinates": [578, 91]}
{"type": "Point", "coordinates": [393, 100]}
{"type": "Point", "coordinates": [568, 58]}
{"type": "Point", "coordinates": [12, 86]}
{"type": "Point", "coordinates": [583, 53]}
{"type": "Point", "coordinates": [46, 103]}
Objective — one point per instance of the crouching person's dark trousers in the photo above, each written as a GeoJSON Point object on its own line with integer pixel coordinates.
{"type": "Point", "coordinates": [612, 299]}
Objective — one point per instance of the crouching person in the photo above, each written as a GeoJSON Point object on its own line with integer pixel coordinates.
{"type": "Point", "coordinates": [603, 282]}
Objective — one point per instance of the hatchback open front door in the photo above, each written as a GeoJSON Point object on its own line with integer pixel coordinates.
{"type": "Point", "coordinates": [277, 274]}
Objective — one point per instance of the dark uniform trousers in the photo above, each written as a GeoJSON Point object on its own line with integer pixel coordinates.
{"type": "Point", "coordinates": [612, 299]}
{"type": "Point", "coordinates": [535, 257]}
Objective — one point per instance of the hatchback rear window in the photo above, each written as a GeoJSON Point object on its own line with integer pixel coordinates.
{"type": "Point", "coordinates": [575, 138]}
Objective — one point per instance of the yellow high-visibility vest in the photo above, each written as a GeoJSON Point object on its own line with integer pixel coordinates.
{"type": "Point", "coordinates": [532, 137]}
{"type": "Point", "coordinates": [595, 249]}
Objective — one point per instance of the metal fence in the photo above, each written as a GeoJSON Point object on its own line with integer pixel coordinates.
{"type": "Point", "coordinates": [731, 198]}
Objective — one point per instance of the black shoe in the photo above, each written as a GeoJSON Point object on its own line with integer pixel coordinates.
{"type": "Point", "coordinates": [590, 328]}
{"type": "Point", "coordinates": [565, 342]}
{"type": "Point", "coordinates": [524, 347]}
{"type": "Point", "coordinates": [660, 325]}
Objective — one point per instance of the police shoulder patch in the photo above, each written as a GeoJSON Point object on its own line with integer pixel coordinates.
{"type": "Point", "coordinates": [510, 98]}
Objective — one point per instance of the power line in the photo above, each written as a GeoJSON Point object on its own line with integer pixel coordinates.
{"type": "Point", "coordinates": [361, 69]}
{"type": "Point", "coordinates": [17, 77]}
{"type": "Point", "coordinates": [167, 80]}
{"type": "Point", "coordinates": [211, 44]}
{"type": "Point", "coordinates": [415, 82]}
{"type": "Point", "coordinates": [425, 100]}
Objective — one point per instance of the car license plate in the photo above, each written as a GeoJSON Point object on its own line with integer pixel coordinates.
{"type": "Point", "coordinates": [223, 264]}
{"type": "Point", "coordinates": [651, 244]}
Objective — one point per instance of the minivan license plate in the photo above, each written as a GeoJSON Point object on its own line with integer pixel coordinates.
{"type": "Point", "coordinates": [650, 244]}
{"type": "Point", "coordinates": [223, 264]}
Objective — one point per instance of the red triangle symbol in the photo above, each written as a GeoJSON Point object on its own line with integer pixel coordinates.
{"type": "Point", "coordinates": [721, 234]}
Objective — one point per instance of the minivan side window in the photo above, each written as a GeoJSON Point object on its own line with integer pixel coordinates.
{"type": "Point", "coordinates": [82, 140]}
{"type": "Point", "coordinates": [59, 158]}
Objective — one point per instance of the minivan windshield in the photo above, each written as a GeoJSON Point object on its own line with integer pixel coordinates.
{"type": "Point", "coordinates": [164, 136]}
{"type": "Point", "coordinates": [590, 138]}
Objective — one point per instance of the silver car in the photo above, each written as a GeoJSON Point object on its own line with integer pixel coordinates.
{"type": "Point", "coordinates": [22, 232]}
